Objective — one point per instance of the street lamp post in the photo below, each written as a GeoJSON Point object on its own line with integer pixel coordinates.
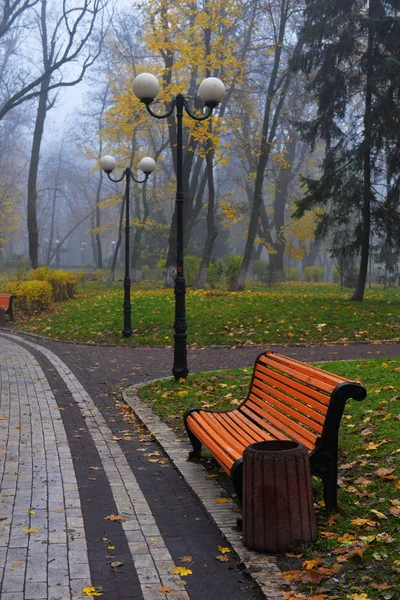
{"type": "Point", "coordinates": [211, 91]}
{"type": "Point", "coordinates": [147, 165]}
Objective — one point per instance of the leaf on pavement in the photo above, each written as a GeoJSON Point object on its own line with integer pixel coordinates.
{"type": "Point", "coordinates": [221, 500]}
{"type": "Point", "coordinates": [31, 530]}
{"type": "Point", "coordinates": [222, 558]}
{"type": "Point", "coordinates": [224, 550]}
{"type": "Point", "coordinates": [166, 589]}
{"type": "Point", "coordinates": [95, 468]}
{"type": "Point", "coordinates": [114, 518]}
{"type": "Point", "coordinates": [182, 571]}
{"type": "Point", "coordinates": [185, 559]}
{"type": "Point", "coordinates": [90, 590]}
{"type": "Point", "coordinates": [116, 563]}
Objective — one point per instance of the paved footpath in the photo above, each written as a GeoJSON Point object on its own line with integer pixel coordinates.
{"type": "Point", "coordinates": [89, 500]}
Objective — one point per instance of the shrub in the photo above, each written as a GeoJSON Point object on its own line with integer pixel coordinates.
{"type": "Point", "coordinates": [260, 270]}
{"type": "Point", "coordinates": [146, 272]}
{"type": "Point", "coordinates": [191, 268]}
{"type": "Point", "coordinates": [63, 283]}
{"type": "Point", "coordinates": [314, 273]}
{"type": "Point", "coordinates": [215, 273]}
{"type": "Point", "coordinates": [294, 274]}
{"type": "Point", "coordinates": [232, 264]}
{"type": "Point", "coordinates": [160, 268]}
{"type": "Point", "coordinates": [32, 296]}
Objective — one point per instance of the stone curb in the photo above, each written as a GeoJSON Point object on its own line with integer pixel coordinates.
{"type": "Point", "coordinates": [262, 568]}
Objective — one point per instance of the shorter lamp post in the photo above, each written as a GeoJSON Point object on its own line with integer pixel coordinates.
{"type": "Point", "coordinates": [212, 92]}
{"type": "Point", "coordinates": [147, 165]}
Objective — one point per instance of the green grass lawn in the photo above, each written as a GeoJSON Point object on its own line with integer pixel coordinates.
{"type": "Point", "coordinates": [357, 554]}
{"type": "Point", "coordinates": [298, 313]}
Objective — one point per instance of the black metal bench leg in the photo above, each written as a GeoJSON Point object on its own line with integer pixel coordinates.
{"type": "Point", "coordinates": [237, 478]}
{"type": "Point", "coordinates": [195, 453]}
{"type": "Point", "coordinates": [329, 480]}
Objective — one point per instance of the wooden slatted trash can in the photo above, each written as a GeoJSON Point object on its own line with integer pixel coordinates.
{"type": "Point", "coordinates": [278, 507]}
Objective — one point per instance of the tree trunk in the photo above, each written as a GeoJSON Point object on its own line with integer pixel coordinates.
{"type": "Point", "coordinates": [212, 232]}
{"type": "Point", "coordinates": [33, 232]}
{"type": "Point", "coordinates": [358, 294]}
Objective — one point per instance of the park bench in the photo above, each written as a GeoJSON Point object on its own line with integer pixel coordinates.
{"type": "Point", "coordinates": [6, 302]}
{"type": "Point", "coordinates": [287, 400]}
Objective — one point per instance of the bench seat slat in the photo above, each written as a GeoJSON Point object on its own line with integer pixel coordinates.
{"type": "Point", "coordinates": [236, 431]}
{"type": "Point", "coordinates": [276, 434]}
{"type": "Point", "coordinates": [214, 448]}
{"type": "Point", "coordinates": [256, 434]}
{"type": "Point", "coordinates": [298, 389]}
{"type": "Point", "coordinates": [216, 432]}
{"type": "Point", "coordinates": [287, 410]}
{"type": "Point", "coordinates": [282, 424]}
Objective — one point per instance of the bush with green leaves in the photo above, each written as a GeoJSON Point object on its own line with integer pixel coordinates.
{"type": "Point", "coordinates": [191, 269]}
{"type": "Point", "coordinates": [260, 270]}
{"type": "Point", "coordinates": [294, 274]}
{"type": "Point", "coordinates": [232, 264]}
{"type": "Point", "coordinates": [315, 274]}
{"type": "Point", "coordinates": [215, 274]}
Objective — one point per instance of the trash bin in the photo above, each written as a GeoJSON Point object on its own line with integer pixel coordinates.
{"type": "Point", "coordinates": [278, 507]}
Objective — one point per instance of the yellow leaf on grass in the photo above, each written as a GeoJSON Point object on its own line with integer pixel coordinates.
{"type": "Point", "coordinates": [357, 596]}
{"type": "Point", "coordinates": [224, 550]}
{"type": "Point", "coordinates": [182, 571]}
{"type": "Point", "coordinates": [90, 590]}
{"type": "Point", "coordinates": [221, 500]}
{"type": "Point", "coordinates": [31, 530]}
{"type": "Point", "coordinates": [395, 511]}
{"type": "Point", "coordinates": [378, 514]}
{"type": "Point", "coordinates": [370, 446]}
{"type": "Point", "coordinates": [360, 522]}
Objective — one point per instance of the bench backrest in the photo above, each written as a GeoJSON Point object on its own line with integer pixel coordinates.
{"type": "Point", "coordinates": [292, 396]}
{"type": "Point", "coordinates": [5, 300]}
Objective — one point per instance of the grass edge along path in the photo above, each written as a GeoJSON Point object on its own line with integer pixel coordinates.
{"type": "Point", "coordinates": [357, 553]}
{"type": "Point", "coordinates": [298, 314]}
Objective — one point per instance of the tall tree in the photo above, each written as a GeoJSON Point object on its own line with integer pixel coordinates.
{"type": "Point", "coordinates": [352, 58]}
{"type": "Point", "coordinates": [64, 37]}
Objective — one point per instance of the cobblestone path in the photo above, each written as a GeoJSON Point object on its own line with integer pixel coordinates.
{"type": "Point", "coordinates": [69, 465]}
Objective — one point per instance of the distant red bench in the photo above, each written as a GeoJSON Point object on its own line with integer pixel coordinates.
{"type": "Point", "coordinates": [288, 400]}
{"type": "Point", "coordinates": [6, 303]}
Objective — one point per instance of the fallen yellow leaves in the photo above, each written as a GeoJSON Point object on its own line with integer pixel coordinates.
{"type": "Point", "coordinates": [91, 590]}
{"type": "Point", "coordinates": [15, 565]}
{"type": "Point", "coordinates": [166, 589]}
{"type": "Point", "coordinates": [182, 571]}
{"type": "Point", "coordinates": [31, 530]}
{"type": "Point", "coordinates": [31, 511]}
{"type": "Point", "coordinates": [221, 500]}
{"type": "Point", "coordinates": [224, 550]}
{"type": "Point", "coordinates": [117, 518]}
{"type": "Point", "coordinates": [116, 564]}
{"type": "Point", "coordinates": [357, 596]}
{"type": "Point", "coordinates": [95, 468]}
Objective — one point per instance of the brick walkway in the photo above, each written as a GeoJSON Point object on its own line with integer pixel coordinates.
{"type": "Point", "coordinates": [68, 461]}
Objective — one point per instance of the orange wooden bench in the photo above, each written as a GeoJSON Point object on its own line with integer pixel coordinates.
{"type": "Point", "coordinates": [287, 400]}
{"type": "Point", "coordinates": [6, 302]}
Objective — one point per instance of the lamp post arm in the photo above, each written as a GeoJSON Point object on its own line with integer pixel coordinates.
{"type": "Point", "coordinates": [165, 115]}
{"type": "Point", "coordinates": [146, 176]}
{"type": "Point", "coordinates": [202, 117]}
{"type": "Point", "coordinates": [124, 174]}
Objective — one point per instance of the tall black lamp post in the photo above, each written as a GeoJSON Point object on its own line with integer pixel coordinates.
{"type": "Point", "coordinates": [147, 165]}
{"type": "Point", "coordinates": [211, 91]}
